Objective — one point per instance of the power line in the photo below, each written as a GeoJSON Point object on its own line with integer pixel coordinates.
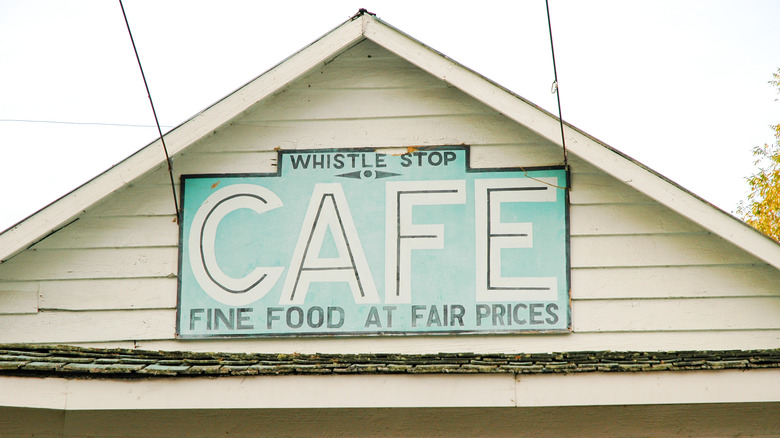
{"type": "Point", "coordinates": [555, 88]}
{"type": "Point", "coordinates": [156, 121]}
{"type": "Point", "coordinates": [64, 122]}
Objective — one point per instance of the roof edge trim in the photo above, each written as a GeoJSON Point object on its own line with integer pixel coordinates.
{"type": "Point", "coordinates": [587, 147]}
{"type": "Point", "coordinates": [31, 229]}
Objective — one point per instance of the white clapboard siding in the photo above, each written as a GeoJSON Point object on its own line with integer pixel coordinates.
{"type": "Point", "coordinates": [370, 73]}
{"type": "Point", "coordinates": [526, 156]}
{"type": "Point", "coordinates": [92, 294]}
{"type": "Point", "coordinates": [603, 189]}
{"type": "Point", "coordinates": [65, 327]}
{"type": "Point", "coordinates": [367, 103]}
{"type": "Point", "coordinates": [72, 264]}
{"type": "Point", "coordinates": [675, 281]}
{"type": "Point", "coordinates": [214, 163]}
{"type": "Point", "coordinates": [140, 200]}
{"type": "Point", "coordinates": [654, 250]}
{"type": "Point", "coordinates": [115, 232]}
{"type": "Point", "coordinates": [676, 314]}
{"type": "Point", "coordinates": [16, 298]}
{"type": "Point", "coordinates": [590, 316]}
{"type": "Point", "coordinates": [365, 50]}
{"type": "Point", "coordinates": [381, 132]}
{"type": "Point", "coordinates": [607, 219]}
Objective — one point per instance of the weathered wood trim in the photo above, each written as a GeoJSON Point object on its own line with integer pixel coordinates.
{"type": "Point", "coordinates": [545, 124]}
{"type": "Point", "coordinates": [16, 238]}
{"type": "Point", "coordinates": [435, 390]}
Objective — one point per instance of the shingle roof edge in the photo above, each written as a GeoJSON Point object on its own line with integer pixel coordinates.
{"type": "Point", "coordinates": [80, 362]}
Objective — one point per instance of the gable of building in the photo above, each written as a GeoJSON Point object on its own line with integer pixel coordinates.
{"type": "Point", "coordinates": [644, 277]}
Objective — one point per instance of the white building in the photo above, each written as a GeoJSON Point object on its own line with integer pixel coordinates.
{"type": "Point", "coordinates": [674, 323]}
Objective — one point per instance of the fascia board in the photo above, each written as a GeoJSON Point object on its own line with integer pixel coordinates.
{"type": "Point", "coordinates": [597, 153]}
{"type": "Point", "coordinates": [395, 391]}
{"type": "Point", "coordinates": [60, 212]}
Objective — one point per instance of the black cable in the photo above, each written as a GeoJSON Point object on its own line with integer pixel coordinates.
{"type": "Point", "coordinates": [159, 130]}
{"type": "Point", "coordinates": [555, 88]}
{"type": "Point", "coordinates": [63, 122]}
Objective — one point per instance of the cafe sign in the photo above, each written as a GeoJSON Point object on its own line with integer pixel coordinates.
{"type": "Point", "coordinates": [359, 242]}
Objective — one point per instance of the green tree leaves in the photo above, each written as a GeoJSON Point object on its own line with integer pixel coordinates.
{"type": "Point", "coordinates": [762, 210]}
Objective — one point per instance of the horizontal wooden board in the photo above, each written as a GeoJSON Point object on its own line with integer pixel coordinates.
{"type": "Point", "coordinates": [115, 293]}
{"type": "Point", "coordinates": [69, 327]}
{"type": "Point", "coordinates": [675, 281]}
{"type": "Point", "coordinates": [380, 132]}
{"type": "Point", "coordinates": [597, 219]}
{"type": "Point", "coordinates": [115, 232]}
{"type": "Point", "coordinates": [71, 264]}
{"type": "Point", "coordinates": [365, 49]}
{"type": "Point", "coordinates": [592, 341]}
{"type": "Point", "coordinates": [310, 104]}
{"type": "Point", "coordinates": [18, 298]}
{"type": "Point", "coordinates": [603, 189]}
{"type": "Point", "coordinates": [352, 73]}
{"type": "Point", "coordinates": [654, 250]}
{"type": "Point", "coordinates": [137, 200]}
{"type": "Point", "coordinates": [513, 155]}
{"type": "Point", "coordinates": [214, 162]}
{"type": "Point", "coordinates": [676, 314]}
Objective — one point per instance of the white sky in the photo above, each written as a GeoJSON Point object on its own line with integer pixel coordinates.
{"type": "Point", "coordinates": [680, 86]}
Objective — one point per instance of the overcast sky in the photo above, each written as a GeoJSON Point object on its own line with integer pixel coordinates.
{"type": "Point", "coordinates": [680, 86]}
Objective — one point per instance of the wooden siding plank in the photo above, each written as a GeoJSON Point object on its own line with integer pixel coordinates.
{"type": "Point", "coordinates": [214, 162]}
{"type": "Point", "coordinates": [137, 200]}
{"type": "Point", "coordinates": [134, 293]}
{"type": "Point", "coordinates": [115, 232]}
{"type": "Point", "coordinates": [654, 250]}
{"type": "Point", "coordinates": [676, 314]}
{"type": "Point", "coordinates": [675, 281]}
{"type": "Point", "coordinates": [603, 189]}
{"type": "Point", "coordinates": [362, 50]}
{"type": "Point", "coordinates": [592, 341]}
{"type": "Point", "coordinates": [376, 73]}
{"type": "Point", "coordinates": [70, 327]}
{"type": "Point", "coordinates": [614, 219]}
{"type": "Point", "coordinates": [382, 132]}
{"type": "Point", "coordinates": [71, 264]}
{"type": "Point", "coordinates": [365, 103]}
{"type": "Point", "coordinates": [517, 155]}
{"type": "Point", "coordinates": [18, 298]}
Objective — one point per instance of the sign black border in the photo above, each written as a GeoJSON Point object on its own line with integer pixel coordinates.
{"type": "Point", "coordinates": [469, 169]}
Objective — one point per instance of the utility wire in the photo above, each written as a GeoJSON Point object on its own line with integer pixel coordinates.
{"type": "Point", "coordinates": [64, 122]}
{"type": "Point", "coordinates": [555, 88]}
{"type": "Point", "coordinates": [156, 121]}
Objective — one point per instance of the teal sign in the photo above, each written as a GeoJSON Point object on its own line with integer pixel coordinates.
{"type": "Point", "coordinates": [357, 242]}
